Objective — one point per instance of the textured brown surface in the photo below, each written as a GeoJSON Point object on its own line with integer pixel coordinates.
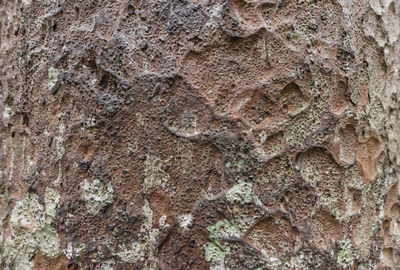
{"type": "Point", "coordinates": [176, 134]}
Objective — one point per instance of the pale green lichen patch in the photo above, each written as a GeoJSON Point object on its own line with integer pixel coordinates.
{"type": "Point", "coordinates": [52, 78]}
{"type": "Point", "coordinates": [51, 199]}
{"type": "Point", "coordinates": [30, 230]}
{"type": "Point", "coordinates": [218, 248]}
{"type": "Point", "coordinates": [97, 194]}
{"type": "Point", "coordinates": [60, 150]}
{"type": "Point", "coordinates": [235, 165]}
{"type": "Point", "coordinates": [262, 48]}
{"type": "Point", "coordinates": [48, 241]}
{"type": "Point", "coordinates": [6, 112]}
{"type": "Point", "coordinates": [215, 251]}
{"type": "Point", "coordinates": [133, 253]}
{"type": "Point", "coordinates": [144, 249]}
{"type": "Point", "coordinates": [224, 229]}
{"type": "Point", "coordinates": [241, 193]}
{"type": "Point", "coordinates": [107, 265]}
{"type": "Point", "coordinates": [345, 256]}
{"type": "Point", "coordinates": [74, 251]}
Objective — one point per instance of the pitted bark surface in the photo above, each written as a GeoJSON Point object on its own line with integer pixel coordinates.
{"type": "Point", "coordinates": [177, 134]}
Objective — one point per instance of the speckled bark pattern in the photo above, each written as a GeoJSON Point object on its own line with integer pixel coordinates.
{"type": "Point", "coordinates": [208, 134]}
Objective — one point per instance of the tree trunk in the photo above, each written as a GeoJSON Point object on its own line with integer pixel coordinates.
{"type": "Point", "coordinates": [200, 134]}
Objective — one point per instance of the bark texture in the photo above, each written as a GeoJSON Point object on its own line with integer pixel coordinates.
{"type": "Point", "coordinates": [177, 134]}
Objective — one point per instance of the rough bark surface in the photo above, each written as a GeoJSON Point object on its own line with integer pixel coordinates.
{"type": "Point", "coordinates": [176, 134]}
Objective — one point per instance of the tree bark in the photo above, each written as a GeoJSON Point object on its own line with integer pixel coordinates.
{"type": "Point", "coordinates": [200, 134]}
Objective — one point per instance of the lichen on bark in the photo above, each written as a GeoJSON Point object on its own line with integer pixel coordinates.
{"type": "Point", "coordinates": [199, 134]}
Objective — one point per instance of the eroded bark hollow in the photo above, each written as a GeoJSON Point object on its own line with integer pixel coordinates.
{"type": "Point", "coordinates": [177, 134]}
